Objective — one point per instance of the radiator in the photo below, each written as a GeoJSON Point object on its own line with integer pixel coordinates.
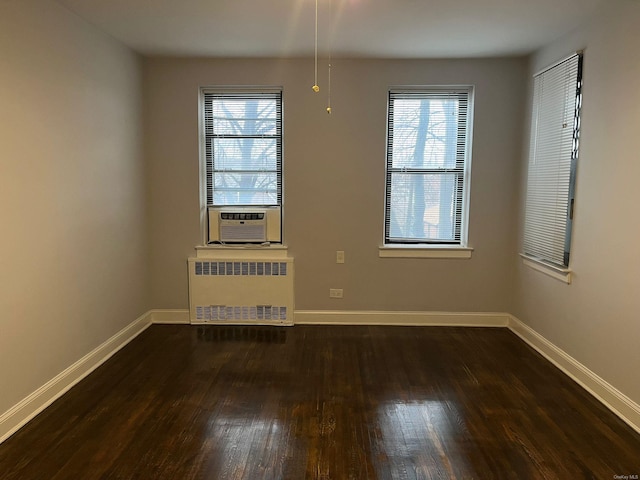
{"type": "Point", "coordinates": [241, 291]}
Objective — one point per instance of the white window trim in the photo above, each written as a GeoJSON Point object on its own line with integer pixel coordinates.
{"type": "Point", "coordinates": [424, 251]}
{"type": "Point", "coordinates": [561, 274]}
{"type": "Point", "coordinates": [432, 249]}
{"type": "Point", "coordinates": [202, 163]}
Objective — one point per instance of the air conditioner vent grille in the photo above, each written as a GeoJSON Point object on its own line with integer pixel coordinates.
{"type": "Point", "coordinates": [242, 215]}
{"type": "Point", "coordinates": [237, 232]}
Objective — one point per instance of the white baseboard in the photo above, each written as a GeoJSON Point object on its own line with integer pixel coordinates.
{"type": "Point", "coordinates": [17, 416]}
{"type": "Point", "coordinates": [361, 317]}
{"type": "Point", "coordinates": [170, 317]}
{"type": "Point", "coordinates": [625, 408]}
{"type": "Point", "coordinates": [329, 317]}
{"type": "Point", "coordinates": [607, 394]}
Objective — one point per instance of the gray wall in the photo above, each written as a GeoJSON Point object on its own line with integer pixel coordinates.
{"type": "Point", "coordinates": [596, 319]}
{"type": "Point", "coordinates": [73, 257]}
{"type": "Point", "coordinates": [334, 180]}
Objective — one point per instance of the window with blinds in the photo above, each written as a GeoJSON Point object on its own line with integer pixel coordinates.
{"type": "Point", "coordinates": [243, 147]}
{"type": "Point", "coordinates": [428, 165]}
{"type": "Point", "coordinates": [555, 133]}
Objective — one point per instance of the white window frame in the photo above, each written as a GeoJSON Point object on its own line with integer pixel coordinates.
{"type": "Point", "coordinates": [206, 174]}
{"type": "Point", "coordinates": [553, 157]}
{"type": "Point", "coordinates": [430, 248]}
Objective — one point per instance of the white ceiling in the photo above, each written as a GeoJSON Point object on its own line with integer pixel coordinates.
{"type": "Point", "coordinates": [356, 28]}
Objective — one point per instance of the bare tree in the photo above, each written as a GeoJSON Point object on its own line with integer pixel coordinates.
{"type": "Point", "coordinates": [425, 138]}
{"type": "Point", "coordinates": [254, 145]}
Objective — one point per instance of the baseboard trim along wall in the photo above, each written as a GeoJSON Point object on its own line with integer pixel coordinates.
{"type": "Point", "coordinates": [442, 319]}
{"type": "Point", "coordinates": [621, 405]}
{"type": "Point", "coordinates": [170, 317]}
{"type": "Point", "coordinates": [20, 414]}
{"type": "Point", "coordinates": [604, 392]}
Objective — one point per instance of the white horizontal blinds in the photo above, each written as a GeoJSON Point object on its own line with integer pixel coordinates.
{"type": "Point", "coordinates": [243, 148]}
{"type": "Point", "coordinates": [426, 161]}
{"type": "Point", "coordinates": [552, 158]}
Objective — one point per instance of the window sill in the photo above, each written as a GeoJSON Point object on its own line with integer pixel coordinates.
{"type": "Point", "coordinates": [558, 273]}
{"type": "Point", "coordinates": [424, 251]}
{"type": "Point", "coordinates": [247, 250]}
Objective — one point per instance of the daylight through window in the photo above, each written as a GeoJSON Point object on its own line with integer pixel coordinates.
{"type": "Point", "coordinates": [428, 162]}
{"type": "Point", "coordinates": [555, 132]}
{"type": "Point", "coordinates": [243, 147]}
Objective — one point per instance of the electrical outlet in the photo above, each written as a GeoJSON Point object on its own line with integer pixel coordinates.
{"type": "Point", "coordinates": [340, 256]}
{"type": "Point", "coordinates": [335, 293]}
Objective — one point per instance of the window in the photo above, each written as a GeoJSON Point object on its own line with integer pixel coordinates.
{"type": "Point", "coordinates": [555, 131]}
{"type": "Point", "coordinates": [242, 147]}
{"type": "Point", "coordinates": [428, 164]}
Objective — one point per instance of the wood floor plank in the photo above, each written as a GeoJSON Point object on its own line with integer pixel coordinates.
{"type": "Point", "coordinates": [324, 402]}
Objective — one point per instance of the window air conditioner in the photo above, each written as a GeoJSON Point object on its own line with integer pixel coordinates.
{"type": "Point", "coordinates": [244, 225]}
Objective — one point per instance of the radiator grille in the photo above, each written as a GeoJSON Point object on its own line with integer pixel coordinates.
{"type": "Point", "coordinates": [241, 290]}
{"type": "Point", "coordinates": [214, 313]}
{"type": "Point", "coordinates": [241, 268]}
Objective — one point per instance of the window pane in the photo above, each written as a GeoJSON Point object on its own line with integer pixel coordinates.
{"type": "Point", "coordinates": [424, 206]}
{"type": "Point", "coordinates": [243, 149]}
{"type": "Point", "coordinates": [425, 133]}
{"type": "Point", "coordinates": [245, 154]}
{"type": "Point", "coordinates": [427, 165]}
{"type": "Point", "coordinates": [244, 117]}
{"type": "Point", "coordinates": [245, 189]}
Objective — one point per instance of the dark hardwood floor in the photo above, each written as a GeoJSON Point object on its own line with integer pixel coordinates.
{"type": "Point", "coordinates": [324, 402]}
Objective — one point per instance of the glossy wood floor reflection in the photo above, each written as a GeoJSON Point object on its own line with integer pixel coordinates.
{"type": "Point", "coordinates": [320, 402]}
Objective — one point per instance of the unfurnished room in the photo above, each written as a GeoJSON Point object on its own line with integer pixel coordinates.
{"type": "Point", "coordinates": [319, 239]}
